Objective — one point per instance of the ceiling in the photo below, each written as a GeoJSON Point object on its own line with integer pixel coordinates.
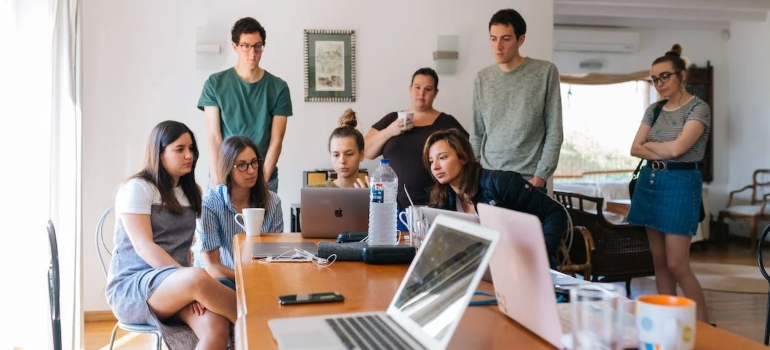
{"type": "Point", "coordinates": [673, 14]}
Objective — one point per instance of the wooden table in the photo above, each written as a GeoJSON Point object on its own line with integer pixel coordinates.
{"type": "Point", "coordinates": [618, 206]}
{"type": "Point", "coordinates": [370, 288]}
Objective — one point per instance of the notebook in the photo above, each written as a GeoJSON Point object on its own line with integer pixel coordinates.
{"type": "Point", "coordinates": [325, 211]}
{"type": "Point", "coordinates": [283, 249]}
{"type": "Point", "coordinates": [524, 285]}
{"type": "Point", "coordinates": [426, 308]}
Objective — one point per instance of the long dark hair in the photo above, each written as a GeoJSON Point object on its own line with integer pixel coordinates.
{"type": "Point", "coordinates": [347, 128]}
{"type": "Point", "coordinates": [469, 175]}
{"type": "Point", "coordinates": [161, 136]}
{"type": "Point", "coordinates": [231, 147]}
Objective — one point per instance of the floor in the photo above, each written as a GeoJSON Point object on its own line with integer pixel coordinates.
{"type": "Point", "coordinates": [743, 314]}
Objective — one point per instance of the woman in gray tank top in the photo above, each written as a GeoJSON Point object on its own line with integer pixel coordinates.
{"type": "Point", "coordinates": [150, 279]}
{"type": "Point", "coordinates": [667, 196]}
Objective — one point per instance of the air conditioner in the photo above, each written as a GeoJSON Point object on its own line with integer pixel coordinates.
{"type": "Point", "coordinates": [595, 40]}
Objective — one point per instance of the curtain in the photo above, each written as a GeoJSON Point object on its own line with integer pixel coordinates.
{"type": "Point", "coordinates": [602, 78]}
{"type": "Point", "coordinates": [40, 147]}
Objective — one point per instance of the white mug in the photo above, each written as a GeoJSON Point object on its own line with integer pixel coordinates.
{"type": "Point", "coordinates": [251, 220]}
{"type": "Point", "coordinates": [406, 117]}
{"type": "Point", "coordinates": [408, 217]}
{"type": "Point", "coordinates": [665, 322]}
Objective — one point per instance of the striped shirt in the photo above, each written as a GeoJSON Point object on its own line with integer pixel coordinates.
{"type": "Point", "coordinates": [671, 122]}
{"type": "Point", "coordinates": [216, 226]}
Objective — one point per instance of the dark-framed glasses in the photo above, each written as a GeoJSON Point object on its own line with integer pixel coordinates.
{"type": "Point", "coordinates": [245, 166]}
{"type": "Point", "coordinates": [663, 78]}
{"type": "Point", "coordinates": [258, 47]}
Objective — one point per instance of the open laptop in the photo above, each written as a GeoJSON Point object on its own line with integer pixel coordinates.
{"type": "Point", "coordinates": [524, 287]}
{"type": "Point", "coordinates": [285, 250]}
{"type": "Point", "coordinates": [426, 308]}
{"type": "Point", "coordinates": [432, 213]}
{"type": "Point", "coordinates": [325, 211]}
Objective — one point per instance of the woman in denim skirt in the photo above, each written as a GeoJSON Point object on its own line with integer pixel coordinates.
{"type": "Point", "coordinates": [667, 197]}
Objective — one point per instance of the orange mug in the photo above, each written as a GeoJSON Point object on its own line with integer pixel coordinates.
{"type": "Point", "coordinates": [665, 322]}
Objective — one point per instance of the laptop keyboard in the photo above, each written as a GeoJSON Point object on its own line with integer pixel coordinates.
{"type": "Point", "coordinates": [368, 332]}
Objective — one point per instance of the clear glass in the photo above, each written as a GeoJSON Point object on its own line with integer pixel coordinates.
{"type": "Point", "coordinates": [595, 317]}
{"type": "Point", "coordinates": [419, 230]}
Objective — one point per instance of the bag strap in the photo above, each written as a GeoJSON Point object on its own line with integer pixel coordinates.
{"type": "Point", "coordinates": [655, 114]}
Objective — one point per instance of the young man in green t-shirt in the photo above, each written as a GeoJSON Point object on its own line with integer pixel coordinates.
{"type": "Point", "coordinates": [247, 100]}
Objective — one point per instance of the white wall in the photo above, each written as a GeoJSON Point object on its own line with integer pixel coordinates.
{"type": "Point", "coordinates": [140, 68]}
{"type": "Point", "coordinates": [700, 46]}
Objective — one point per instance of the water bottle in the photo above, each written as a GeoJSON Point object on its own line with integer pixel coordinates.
{"type": "Point", "coordinates": [383, 191]}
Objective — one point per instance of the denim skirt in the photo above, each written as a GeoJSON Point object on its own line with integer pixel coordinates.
{"type": "Point", "coordinates": [667, 201]}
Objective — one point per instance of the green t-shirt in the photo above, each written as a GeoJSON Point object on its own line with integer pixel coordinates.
{"type": "Point", "coordinates": [247, 108]}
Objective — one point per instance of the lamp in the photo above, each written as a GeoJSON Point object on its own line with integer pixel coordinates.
{"type": "Point", "coordinates": [447, 54]}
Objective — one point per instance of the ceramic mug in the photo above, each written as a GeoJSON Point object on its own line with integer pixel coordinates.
{"type": "Point", "coordinates": [406, 117]}
{"type": "Point", "coordinates": [251, 220]}
{"type": "Point", "coordinates": [665, 322]}
{"type": "Point", "coordinates": [408, 216]}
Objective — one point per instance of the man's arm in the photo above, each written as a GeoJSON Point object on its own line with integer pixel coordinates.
{"type": "Point", "coordinates": [554, 134]}
{"type": "Point", "coordinates": [277, 133]}
{"type": "Point", "coordinates": [214, 136]}
{"type": "Point", "coordinates": [477, 128]}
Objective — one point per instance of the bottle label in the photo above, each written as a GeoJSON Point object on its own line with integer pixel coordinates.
{"type": "Point", "coordinates": [377, 192]}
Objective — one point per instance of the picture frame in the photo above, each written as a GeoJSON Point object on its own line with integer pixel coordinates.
{"type": "Point", "coordinates": [330, 65]}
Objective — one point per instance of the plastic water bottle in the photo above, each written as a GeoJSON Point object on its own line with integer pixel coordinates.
{"type": "Point", "coordinates": [383, 191]}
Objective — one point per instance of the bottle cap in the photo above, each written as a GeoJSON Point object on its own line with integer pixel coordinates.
{"type": "Point", "coordinates": [384, 161]}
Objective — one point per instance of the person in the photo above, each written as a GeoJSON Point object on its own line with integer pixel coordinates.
{"type": "Point", "coordinates": [667, 197]}
{"type": "Point", "coordinates": [150, 280]}
{"type": "Point", "coordinates": [460, 183]}
{"type": "Point", "coordinates": [517, 122]}
{"type": "Point", "coordinates": [346, 148]}
{"type": "Point", "coordinates": [247, 100]}
{"type": "Point", "coordinates": [241, 170]}
{"type": "Point", "coordinates": [396, 140]}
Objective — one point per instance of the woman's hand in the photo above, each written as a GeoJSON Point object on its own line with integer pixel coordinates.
{"type": "Point", "coordinates": [362, 184]}
{"type": "Point", "coordinates": [197, 308]}
{"type": "Point", "coordinates": [399, 126]}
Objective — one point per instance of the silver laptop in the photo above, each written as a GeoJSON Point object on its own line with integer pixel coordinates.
{"type": "Point", "coordinates": [325, 212]}
{"type": "Point", "coordinates": [432, 213]}
{"type": "Point", "coordinates": [427, 307]}
{"type": "Point", "coordinates": [284, 250]}
{"type": "Point", "coordinates": [523, 284]}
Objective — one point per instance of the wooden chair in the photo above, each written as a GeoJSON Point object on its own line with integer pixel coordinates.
{"type": "Point", "coordinates": [613, 253]}
{"type": "Point", "coordinates": [756, 210]}
{"type": "Point", "coordinates": [767, 277]}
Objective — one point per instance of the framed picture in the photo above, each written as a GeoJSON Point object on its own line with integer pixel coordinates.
{"type": "Point", "coordinates": [330, 65]}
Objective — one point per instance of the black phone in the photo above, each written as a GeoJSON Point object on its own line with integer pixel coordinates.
{"type": "Point", "coordinates": [351, 236]}
{"type": "Point", "coordinates": [310, 298]}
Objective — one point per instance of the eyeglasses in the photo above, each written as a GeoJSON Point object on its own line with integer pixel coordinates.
{"type": "Point", "coordinates": [663, 77]}
{"type": "Point", "coordinates": [245, 166]}
{"type": "Point", "coordinates": [258, 47]}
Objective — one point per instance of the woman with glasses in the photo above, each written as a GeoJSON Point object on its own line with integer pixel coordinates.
{"type": "Point", "coordinates": [150, 279]}
{"type": "Point", "coordinates": [667, 196]}
{"type": "Point", "coordinates": [346, 148]}
{"type": "Point", "coordinates": [244, 186]}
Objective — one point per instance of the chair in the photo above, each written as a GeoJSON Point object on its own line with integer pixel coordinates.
{"type": "Point", "coordinates": [54, 288]}
{"type": "Point", "coordinates": [613, 253]}
{"type": "Point", "coordinates": [756, 209]}
{"type": "Point", "coordinates": [102, 251]}
{"type": "Point", "coordinates": [767, 277]}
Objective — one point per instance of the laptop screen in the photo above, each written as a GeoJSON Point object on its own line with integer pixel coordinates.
{"type": "Point", "coordinates": [433, 292]}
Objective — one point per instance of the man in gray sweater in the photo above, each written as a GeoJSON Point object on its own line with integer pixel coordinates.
{"type": "Point", "coordinates": [516, 106]}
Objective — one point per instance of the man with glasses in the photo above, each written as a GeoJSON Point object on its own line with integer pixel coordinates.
{"type": "Point", "coordinates": [247, 100]}
{"type": "Point", "coordinates": [516, 106]}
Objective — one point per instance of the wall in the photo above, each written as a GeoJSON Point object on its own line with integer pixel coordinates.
{"type": "Point", "coordinates": [700, 46]}
{"type": "Point", "coordinates": [140, 68]}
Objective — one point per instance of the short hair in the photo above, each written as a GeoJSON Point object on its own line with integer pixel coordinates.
{"type": "Point", "coordinates": [155, 173]}
{"type": "Point", "coordinates": [510, 17]}
{"type": "Point", "coordinates": [247, 25]}
{"type": "Point", "coordinates": [230, 149]}
{"type": "Point", "coordinates": [347, 128]}
{"type": "Point", "coordinates": [675, 57]}
{"type": "Point", "coordinates": [429, 72]}
{"type": "Point", "coordinates": [469, 176]}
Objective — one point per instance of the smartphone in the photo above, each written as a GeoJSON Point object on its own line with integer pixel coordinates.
{"type": "Point", "coordinates": [311, 298]}
{"type": "Point", "coordinates": [348, 236]}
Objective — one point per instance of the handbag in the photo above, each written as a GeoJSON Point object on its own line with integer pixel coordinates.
{"type": "Point", "coordinates": [635, 176]}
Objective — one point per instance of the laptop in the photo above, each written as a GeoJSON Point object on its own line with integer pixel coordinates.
{"type": "Point", "coordinates": [524, 287]}
{"type": "Point", "coordinates": [432, 213]}
{"type": "Point", "coordinates": [426, 308]}
{"type": "Point", "coordinates": [284, 250]}
{"type": "Point", "coordinates": [325, 212]}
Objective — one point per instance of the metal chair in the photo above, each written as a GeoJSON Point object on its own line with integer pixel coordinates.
{"type": "Point", "coordinates": [767, 277]}
{"type": "Point", "coordinates": [54, 288]}
{"type": "Point", "coordinates": [101, 247]}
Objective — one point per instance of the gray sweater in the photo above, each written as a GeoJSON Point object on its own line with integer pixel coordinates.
{"type": "Point", "coordinates": [517, 118]}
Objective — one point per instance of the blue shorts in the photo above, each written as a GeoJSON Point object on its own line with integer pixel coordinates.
{"type": "Point", "coordinates": [667, 200]}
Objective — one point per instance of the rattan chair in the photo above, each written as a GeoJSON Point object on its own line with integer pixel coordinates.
{"type": "Point", "coordinates": [103, 252]}
{"type": "Point", "coordinates": [54, 288]}
{"type": "Point", "coordinates": [614, 253]}
{"type": "Point", "coordinates": [767, 277]}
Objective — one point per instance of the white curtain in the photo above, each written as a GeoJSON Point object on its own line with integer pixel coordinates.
{"type": "Point", "coordinates": [40, 149]}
